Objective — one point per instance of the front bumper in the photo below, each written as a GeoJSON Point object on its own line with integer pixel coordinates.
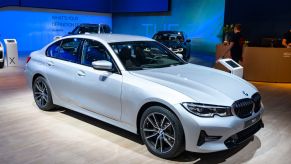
{"type": "Point", "coordinates": [223, 132]}
{"type": "Point", "coordinates": [243, 135]}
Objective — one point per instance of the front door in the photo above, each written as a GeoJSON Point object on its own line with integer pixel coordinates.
{"type": "Point", "coordinates": [96, 90]}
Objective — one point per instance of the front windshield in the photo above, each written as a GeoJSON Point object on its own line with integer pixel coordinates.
{"type": "Point", "coordinates": [89, 29]}
{"type": "Point", "coordinates": [169, 37]}
{"type": "Point", "coordinates": [145, 55]}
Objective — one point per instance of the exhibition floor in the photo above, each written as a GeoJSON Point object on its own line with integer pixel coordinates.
{"type": "Point", "coordinates": [29, 135]}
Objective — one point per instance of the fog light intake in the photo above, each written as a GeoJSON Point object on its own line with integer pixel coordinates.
{"type": "Point", "coordinates": [203, 137]}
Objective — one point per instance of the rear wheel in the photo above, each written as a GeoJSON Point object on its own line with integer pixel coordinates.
{"type": "Point", "coordinates": [42, 94]}
{"type": "Point", "coordinates": [162, 132]}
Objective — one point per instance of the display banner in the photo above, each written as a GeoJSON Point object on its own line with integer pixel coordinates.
{"type": "Point", "coordinates": [33, 28]}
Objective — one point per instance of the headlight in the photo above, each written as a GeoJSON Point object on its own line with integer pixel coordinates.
{"type": "Point", "coordinates": [206, 110]}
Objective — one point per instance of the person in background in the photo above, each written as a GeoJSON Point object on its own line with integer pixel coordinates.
{"type": "Point", "coordinates": [236, 44]}
{"type": "Point", "coordinates": [286, 40]}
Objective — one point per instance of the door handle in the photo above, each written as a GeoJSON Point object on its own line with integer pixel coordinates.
{"type": "Point", "coordinates": [81, 73]}
{"type": "Point", "coordinates": [50, 63]}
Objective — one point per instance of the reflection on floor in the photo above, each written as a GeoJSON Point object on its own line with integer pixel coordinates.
{"type": "Point", "coordinates": [28, 135]}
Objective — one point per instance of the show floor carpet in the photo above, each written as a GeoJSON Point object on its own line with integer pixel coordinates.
{"type": "Point", "coordinates": [29, 135]}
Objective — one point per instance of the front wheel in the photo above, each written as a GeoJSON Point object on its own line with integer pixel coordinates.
{"type": "Point", "coordinates": [162, 132]}
{"type": "Point", "coordinates": [42, 94]}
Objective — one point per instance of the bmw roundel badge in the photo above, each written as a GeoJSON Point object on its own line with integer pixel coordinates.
{"type": "Point", "coordinates": [245, 93]}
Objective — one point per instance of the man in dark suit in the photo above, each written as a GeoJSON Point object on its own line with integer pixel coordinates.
{"type": "Point", "coordinates": [236, 44]}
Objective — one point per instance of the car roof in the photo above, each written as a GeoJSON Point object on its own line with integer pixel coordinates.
{"type": "Point", "coordinates": [111, 38]}
{"type": "Point", "coordinates": [92, 25]}
{"type": "Point", "coordinates": [169, 32]}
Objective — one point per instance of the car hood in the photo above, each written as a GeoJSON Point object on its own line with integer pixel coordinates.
{"type": "Point", "coordinates": [202, 84]}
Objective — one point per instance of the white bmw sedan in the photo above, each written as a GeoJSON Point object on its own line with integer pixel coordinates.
{"type": "Point", "coordinates": [138, 84]}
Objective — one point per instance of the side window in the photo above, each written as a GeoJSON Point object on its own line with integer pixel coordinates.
{"type": "Point", "coordinates": [81, 30]}
{"type": "Point", "coordinates": [66, 49]}
{"type": "Point", "coordinates": [75, 31]}
{"type": "Point", "coordinates": [104, 29]}
{"type": "Point", "coordinates": [94, 51]}
{"type": "Point", "coordinates": [101, 29]}
{"type": "Point", "coordinates": [53, 49]}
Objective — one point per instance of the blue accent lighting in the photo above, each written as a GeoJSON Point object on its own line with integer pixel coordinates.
{"type": "Point", "coordinates": [201, 20]}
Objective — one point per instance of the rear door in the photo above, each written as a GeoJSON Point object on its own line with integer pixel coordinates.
{"type": "Point", "coordinates": [62, 58]}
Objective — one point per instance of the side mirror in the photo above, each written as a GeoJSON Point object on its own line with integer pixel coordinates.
{"type": "Point", "coordinates": [188, 40]}
{"type": "Point", "coordinates": [180, 55]}
{"type": "Point", "coordinates": [102, 65]}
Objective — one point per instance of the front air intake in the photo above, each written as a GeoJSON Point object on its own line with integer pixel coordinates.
{"type": "Point", "coordinates": [257, 100]}
{"type": "Point", "coordinates": [242, 136]}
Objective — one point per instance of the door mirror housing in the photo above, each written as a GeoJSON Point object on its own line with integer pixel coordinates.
{"type": "Point", "coordinates": [102, 65]}
{"type": "Point", "coordinates": [57, 37]}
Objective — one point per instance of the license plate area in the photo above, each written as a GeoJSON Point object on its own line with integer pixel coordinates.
{"type": "Point", "coordinates": [252, 121]}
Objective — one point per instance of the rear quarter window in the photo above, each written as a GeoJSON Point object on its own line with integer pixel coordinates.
{"type": "Point", "coordinates": [53, 49]}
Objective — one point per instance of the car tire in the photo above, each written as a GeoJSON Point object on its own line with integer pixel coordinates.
{"type": "Point", "coordinates": [162, 132]}
{"type": "Point", "coordinates": [1, 64]}
{"type": "Point", "coordinates": [42, 94]}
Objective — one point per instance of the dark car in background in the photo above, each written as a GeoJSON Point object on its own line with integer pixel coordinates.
{"type": "Point", "coordinates": [175, 41]}
{"type": "Point", "coordinates": [91, 29]}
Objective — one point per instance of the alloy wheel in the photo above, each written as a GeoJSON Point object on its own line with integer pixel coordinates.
{"type": "Point", "coordinates": [41, 93]}
{"type": "Point", "coordinates": [159, 132]}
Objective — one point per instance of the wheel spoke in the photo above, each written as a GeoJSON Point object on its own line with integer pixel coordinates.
{"type": "Point", "coordinates": [37, 97]}
{"type": "Point", "coordinates": [45, 97]}
{"type": "Point", "coordinates": [156, 121]}
{"type": "Point", "coordinates": [41, 101]}
{"type": "Point", "coordinates": [149, 130]}
{"type": "Point", "coordinates": [157, 139]}
{"type": "Point", "coordinates": [148, 118]}
{"type": "Point", "coordinates": [168, 142]}
{"type": "Point", "coordinates": [38, 101]}
{"type": "Point", "coordinates": [37, 85]}
{"type": "Point", "coordinates": [42, 86]}
{"type": "Point", "coordinates": [37, 93]}
{"type": "Point", "coordinates": [167, 126]}
{"type": "Point", "coordinates": [151, 135]}
{"type": "Point", "coordinates": [169, 136]}
{"type": "Point", "coordinates": [162, 122]}
{"type": "Point", "coordinates": [161, 143]}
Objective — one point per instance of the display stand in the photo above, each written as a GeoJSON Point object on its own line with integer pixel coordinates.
{"type": "Point", "coordinates": [230, 66]}
{"type": "Point", "coordinates": [11, 52]}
